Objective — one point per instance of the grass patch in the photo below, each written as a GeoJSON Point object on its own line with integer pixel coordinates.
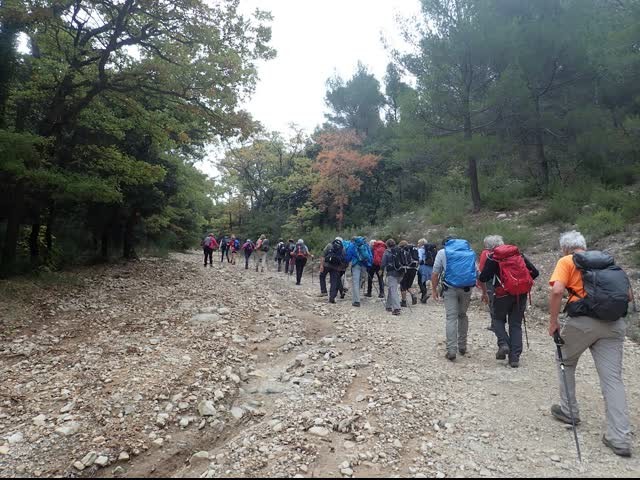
{"type": "Point", "coordinates": [600, 224]}
{"type": "Point", "coordinates": [522, 236]}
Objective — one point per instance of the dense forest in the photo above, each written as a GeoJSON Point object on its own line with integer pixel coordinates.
{"type": "Point", "coordinates": [493, 105]}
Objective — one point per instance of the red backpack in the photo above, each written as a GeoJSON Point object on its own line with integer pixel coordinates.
{"type": "Point", "coordinates": [515, 278]}
{"type": "Point", "coordinates": [379, 248]}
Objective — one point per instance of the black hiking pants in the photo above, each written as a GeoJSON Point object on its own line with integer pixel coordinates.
{"type": "Point", "coordinates": [335, 277]}
{"type": "Point", "coordinates": [300, 263]}
{"type": "Point", "coordinates": [279, 260]}
{"type": "Point", "coordinates": [408, 279]}
{"type": "Point", "coordinates": [375, 270]}
{"type": "Point", "coordinates": [323, 280]}
{"type": "Point", "coordinates": [208, 255]}
{"type": "Point", "coordinates": [224, 252]}
{"type": "Point", "coordinates": [247, 256]}
{"type": "Point", "coordinates": [510, 309]}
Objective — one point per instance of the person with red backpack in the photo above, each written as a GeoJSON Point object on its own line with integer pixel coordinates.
{"type": "Point", "coordinates": [490, 243]}
{"type": "Point", "coordinates": [300, 255]}
{"type": "Point", "coordinates": [248, 247]}
{"type": "Point", "coordinates": [512, 276]}
{"type": "Point", "coordinates": [209, 244]}
{"type": "Point", "coordinates": [378, 247]}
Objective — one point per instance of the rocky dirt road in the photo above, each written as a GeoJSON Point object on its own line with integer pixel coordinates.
{"type": "Point", "coordinates": [163, 368]}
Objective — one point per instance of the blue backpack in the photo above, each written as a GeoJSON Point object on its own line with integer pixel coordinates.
{"type": "Point", "coordinates": [461, 264]}
{"type": "Point", "coordinates": [363, 252]}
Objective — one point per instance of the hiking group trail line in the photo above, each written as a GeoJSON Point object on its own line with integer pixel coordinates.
{"type": "Point", "coordinates": [164, 359]}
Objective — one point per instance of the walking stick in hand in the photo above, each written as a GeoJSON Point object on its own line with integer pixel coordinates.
{"type": "Point", "coordinates": [559, 343]}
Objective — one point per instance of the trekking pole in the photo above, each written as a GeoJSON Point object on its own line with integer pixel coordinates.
{"type": "Point", "coordinates": [559, 341]}
{"type": "Point", "coordinates": [311, 270]}
{"type": "Point", "coordinates": [526, 334]}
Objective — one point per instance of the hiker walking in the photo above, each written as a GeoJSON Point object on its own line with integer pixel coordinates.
{"type": "Point", "coordinates": [392, 265]}
{"type": "Point", "coordinates": [224, 249]}
{"type": "Point", "coordinates": [599, 292]}
{"type": "Point", "coordinates": [300, 256]}
{"type": "Point", "coordinates": [260, 258]}
{"type": "Point", "coordinates": [378, 248]}
{"type": "Point", "coordinates": [411, 264]}
{"type": "Point", "coordinates": [289, 261]}
{"type": "Point", "coordinates": [511, 277]}
{"type": "Point", "coordinates": [333, 261]}
{"type": "Point", "coordinates": [248, 247]}
{"type": "Point", "coordinates": [455, 267]}
{"type": "Point", "coordinates": [209, 244]}
{"type": "Point", "coordinates": [427, 253]}
{"type": "Point", "coordinates": [282, 254]}
{"type": "Point", "coordinates": [234, 245]}
{"type": "Point", "coordinates": [361, 258]}
{"type": "Point", "coordinates": [490, 242]}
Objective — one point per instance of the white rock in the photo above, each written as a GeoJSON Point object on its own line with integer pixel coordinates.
{"type": "Point", "coordinates": [40, 420]}
{"type": "Point", "coordinates": [17, 437]}
{"type": "Point", "coordinates": [123, 457]}
{"type": "Point", "coordinates": [319, 431]}
{"type": "Point", "coordinates": [89, 459]}
{"type": "Point", "coordinates": [205, 318]}
{"type": "Point", "coordinates": [184, 422]}
{"type": "Point", "coordinates": [162, 419]}
{"type": "Point", "coordinates": [224, 311]}
{"type": "Point", "coordinates": [4, 450]}
{"type": "Point", "coordinates": [485, 473]}
{"type": "Point", "coordinates": [102, 461]}
{"type": "Point", "coordinates": [347, 471]}
{"type": "Point", "coordinates": [79, 466]}
{"type": "Point", "coordinates": [397, 443]}
{"type": "Point", "coordinates": [237, 412]}
{"type": "Point", "coordinates": [394, 380]}
{"type": "Point", "coordinates": [200, 457]}
{"type": "Point", "coordinates": [158, 442]}
{"type": "Point", "coordinates": [206, 408]}
{"type": "Point", "coordinates": [555, 458]}
{"type": "Point", "coordinates": [68, 407]}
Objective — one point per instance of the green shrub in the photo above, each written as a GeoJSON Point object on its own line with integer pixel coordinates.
{"type": "Point", "coordinates": [449, 208]}
{"type": "Point", "coordinates": [519, 235]}
{"type": "Point", "coordinates": [600, 224]}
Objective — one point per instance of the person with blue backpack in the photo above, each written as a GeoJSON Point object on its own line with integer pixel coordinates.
{"type": "Point", "coordinates": [361, 258]}
{"type": "Point", "coordinates": [455, 269]}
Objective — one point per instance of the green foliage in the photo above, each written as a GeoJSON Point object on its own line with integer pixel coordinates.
{"type": "Point", "coordinates": [513, 233]}
{"type": "Point", "coordinates": [600, 224]}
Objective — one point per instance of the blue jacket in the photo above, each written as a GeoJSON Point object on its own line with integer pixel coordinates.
{"type": "Point", "coordinates": [352, 255]}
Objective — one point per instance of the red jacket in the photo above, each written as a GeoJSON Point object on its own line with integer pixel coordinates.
{"type": "Point", "coordinates": [379, 248]}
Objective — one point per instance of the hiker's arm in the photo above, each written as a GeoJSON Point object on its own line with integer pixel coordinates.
{"type": "Point", "coordinates": [532, 269]}
{"type": "Point", "coordinates": [488, 272]}
{"type": "Point", "coordinates": [435, 278]}
{"type": "Point", "coordinates": [555, 303]}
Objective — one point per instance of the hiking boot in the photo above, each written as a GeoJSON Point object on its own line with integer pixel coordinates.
{"type": "Point", "coordinates": [503, 351]}
{"type": "Point", "coordinates": [342, 296]}
{"type": "Point", "coordinates": [355, 304]}
{"type": "Point", "coordinates": [514, 364]}
{"type": "Point", "coordinates": [491, 329]}
{"type": "Point", "coordinates": [396, 312]}
{"type": "Point", "coordinates": [558, 414]}
{"type": "Point", "coordinates": [403, 303]}
{"type": "Point", "coordinates": [424, 298]}
{"type": "Point", "coordinates": [621, 452]}
{"type": "Point", "coordinates": [450, 356]}
{"type": "Point", "coordinates": [463, 351]}
{"type": "Point", "coordinates": [381, 295]}
{"type": "Point", "coordinates": [332, 300]}
{"type": "Point", "coordinates": [323, 294]}
{"type": "Point", "coordinates": [414, 300]}
{"type": "Point", "coordinates": [297, 283]}
{"type": "Point", "coordinates": [368, 295]}
{"type": "Point", "coordinates": [389, 310]}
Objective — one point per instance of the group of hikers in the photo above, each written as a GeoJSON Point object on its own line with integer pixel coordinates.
{"type": "Point", "coordinates": [598, 290]}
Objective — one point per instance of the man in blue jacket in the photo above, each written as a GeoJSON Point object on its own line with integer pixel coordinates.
{"type": "Point", "coordinates": [361, 258]}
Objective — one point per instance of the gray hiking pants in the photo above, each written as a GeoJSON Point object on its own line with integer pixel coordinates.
{"type": "Point", "coordinates": [606, 342]}
{"type": "Point", "coordinates": [456, 303]}
{"type": "Point", "coordinates": [393, 297]}
{"type": "Point", "coordinates": [358, 273]}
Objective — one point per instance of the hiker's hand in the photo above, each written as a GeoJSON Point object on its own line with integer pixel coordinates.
{"type": "Point", "coordinates": [321, 268]}
{"type": "Point", "coordinates": [485, 299]}
{"type": "Point", "coordinates": [436, 295]}
{"type": "Point", "coordinates": [554, 326]}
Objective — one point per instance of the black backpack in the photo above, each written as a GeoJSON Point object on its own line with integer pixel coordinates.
{"type": "Point", "coordinates": [606, 285]}
{"type": "Point", "coordinates": [398, 260]}
{"type": "Point", "coordinates": [265, 245]}
{"type": "Point", "coordinates": [336, 254]}
{"type": "Point", "coordinates": [412, 257]}
{"type": "Point", "coordinates": [282, 249]}
{"type": "Point", "coordinates": [430, 252]}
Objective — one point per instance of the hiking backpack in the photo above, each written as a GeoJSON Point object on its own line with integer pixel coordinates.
{"type": "Point", "coordinates": [378, 252]}
{"type": "Point", "coordinates": [335, 256]}
{"type": "Point", "coordinates": [265, 245]}
{"type": "Point", "coordinates": [461, 264]}
{"type": "Point", "coordinates": [301, 251]}
{"type": "Point", "coordinates": [363, 252]}
{"type": "Point", "coordinates": [514, 277]}
{"type": "Point", "coordinates": [207, 242]}
{"type": "Point", "coordinates": [412, 257]}
{"type": "Point", "coordinates": [606, 286]}
{"type": "Point", "coordinates": [398, 260]}
{"type": "Point", "coordinates": [430, 252]}
{"type": "Point", "coordinates": [249, 247]}
{"type": "Point", "coordinates": [224, 242]}
{"type": "Point", "coordinates": [282, 249]}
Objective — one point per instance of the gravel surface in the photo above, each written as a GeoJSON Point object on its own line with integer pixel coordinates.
{"type": "Point", "coordinates": [164, 368]}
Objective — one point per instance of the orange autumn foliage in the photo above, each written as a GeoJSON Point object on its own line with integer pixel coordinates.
{"type": "Point", "coordinates": [340, 167]}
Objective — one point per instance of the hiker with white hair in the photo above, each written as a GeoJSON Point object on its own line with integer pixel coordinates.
{"type": "Point", "coordinates": [300, 255]}
{"type": "Point", "coordinates": [599, 294]}
{"type": "Point", "coordinates": [490, 242]}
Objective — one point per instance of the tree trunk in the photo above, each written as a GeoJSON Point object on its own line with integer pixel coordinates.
{"type": "Point", "coordinates": [48, 234]}
{"type": "Point", "coordinates": [104, 243]}
{"type": "Point", "coordinates": [472, 169]}
{"type": "Point", "coordinates": [10, 247]}
{"type": "Point", "coordinates": [541, 158]}
{"type": "Point", "coordinates": [128, 247]}
{"type": "Point", "coordinates": [34, 243]}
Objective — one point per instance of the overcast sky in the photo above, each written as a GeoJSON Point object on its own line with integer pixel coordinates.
{"type": "Point", "coordinates": [316, 39]}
